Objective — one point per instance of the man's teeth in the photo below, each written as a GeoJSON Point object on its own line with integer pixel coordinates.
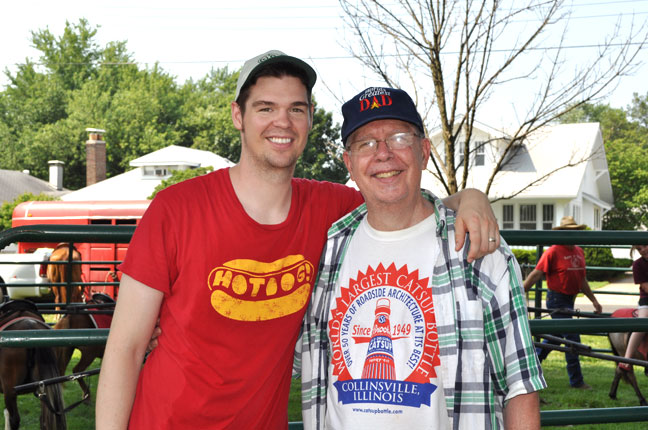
{"type": "Point", "coordinates": [280, 140]}
{"type": "Point", "coordinates": [387, 174]}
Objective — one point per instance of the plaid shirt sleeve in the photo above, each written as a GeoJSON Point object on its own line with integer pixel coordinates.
{"type": "Point", "coordinates": [490, 332]}
{"type": "Point", "coordinates": [314, 340]}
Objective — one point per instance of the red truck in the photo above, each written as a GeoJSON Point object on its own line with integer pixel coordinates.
{"type": "Point", "coordinates": [88, 212]}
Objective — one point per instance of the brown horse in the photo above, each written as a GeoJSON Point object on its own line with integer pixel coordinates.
{"type": "Point", "coordinates": [24, 365]}
{"type": "Point", "coordinates": [89, 352]}
{"type": "Point", "coordinates": [619, 343]}
{"type": "Point", "coordinates": [59, 273]}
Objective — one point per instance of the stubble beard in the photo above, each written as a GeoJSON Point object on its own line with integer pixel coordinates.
{"type": "Point", "coordinates": [273, 163]}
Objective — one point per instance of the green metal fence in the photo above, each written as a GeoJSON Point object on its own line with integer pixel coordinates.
{"type": "Point", "coordinates": [122, 234]}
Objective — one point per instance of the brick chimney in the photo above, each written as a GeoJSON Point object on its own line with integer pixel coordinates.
{"type": "Point", "coordinates": [56, 174]}
{"type": "Point", "coordinates": [95, 156]}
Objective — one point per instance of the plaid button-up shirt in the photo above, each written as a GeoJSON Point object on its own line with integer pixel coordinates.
{"type": "Point", "coordinates": [486, 350]}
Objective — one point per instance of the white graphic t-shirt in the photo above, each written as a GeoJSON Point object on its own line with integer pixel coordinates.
{"type": "Point", "coordinates": [382, 331]}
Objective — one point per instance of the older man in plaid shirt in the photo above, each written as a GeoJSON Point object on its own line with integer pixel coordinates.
{"type": "Point", "coordinates": [402, 331]}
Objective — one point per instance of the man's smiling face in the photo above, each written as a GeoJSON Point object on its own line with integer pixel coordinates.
{"type": "Point", "coordinates": [275, 126]}
{"type": "Point", "coordinates": [387, 176]}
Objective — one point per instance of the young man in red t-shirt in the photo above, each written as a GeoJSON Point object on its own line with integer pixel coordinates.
{"type": "Point", "coordinates": [564, 268]}
{"type": "Point", "coordinates": [227, 262]}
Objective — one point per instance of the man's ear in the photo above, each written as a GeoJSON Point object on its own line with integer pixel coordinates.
{"type": "Point", "coordinates": [347, 162]}
{"type": "Point", "coordinates": [425, 148]}
{"type": "Point", "coordinates": [237, 116]}
{"type": "Point", "coordinates": [311, 117]}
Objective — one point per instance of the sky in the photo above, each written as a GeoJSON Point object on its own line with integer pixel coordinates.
{"type": "Point", "coordinates": [189, 38]}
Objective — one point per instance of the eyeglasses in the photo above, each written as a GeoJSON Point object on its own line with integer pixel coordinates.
{"type": "Point", "coordinates": [395, 141]}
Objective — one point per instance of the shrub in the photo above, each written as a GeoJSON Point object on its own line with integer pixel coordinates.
{"type": "Point", "coordinates": [601, 257]}
{"type": "Point", "coordinates": [526, 258]}
{"type": "Point", "coordinates": [7, 208]}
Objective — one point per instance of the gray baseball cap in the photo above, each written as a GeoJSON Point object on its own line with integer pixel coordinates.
{"type": "Point", "coordinates": [252, 65]}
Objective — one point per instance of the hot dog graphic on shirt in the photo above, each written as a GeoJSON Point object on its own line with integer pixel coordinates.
{"type": "Point", "coordinates": [250, 290]}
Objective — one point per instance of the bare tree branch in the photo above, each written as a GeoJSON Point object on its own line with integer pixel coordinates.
{"type": "Point", "coordinates": [459, 52]}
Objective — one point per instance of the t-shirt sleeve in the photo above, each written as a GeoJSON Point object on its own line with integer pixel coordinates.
{"type": "Point", "coordinates": [640, 271]}
{"type": "Point", "coordinates": [543, 264]}
{"type": "Point", "coordinates": [346, 199]}
{"type": "Point", "coordinates": [149, 258]}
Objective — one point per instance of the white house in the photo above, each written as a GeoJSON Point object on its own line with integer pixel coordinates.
{"type": "Point", "coordinates": [550, 189]}
{"type": "Point", "coordinates": [149, 171]}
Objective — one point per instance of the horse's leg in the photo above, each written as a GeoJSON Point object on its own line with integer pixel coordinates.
{"type": "Point", "coordinates": [615, 383]}
{"type": "Point", "coordinates": [12, 417]}
{"type": "Point", "coordinates": [632, 380]}
{"type": "Point", "coordinates": [62, 297]}
{"type": "Point", "coordinates": [14, 371]}
{"type": "Point", "coordinates": [88, 354]}
{"type": "Point", "coordinates": [57, 297]}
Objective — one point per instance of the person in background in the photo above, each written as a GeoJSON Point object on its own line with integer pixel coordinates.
{"type": "Point", "coordinates": [640, 275]}
{"type": "Point", "coordinates": [564, 268]}
{"type": "Point", "coordinates": [402, 331]}
{"type": "Point", "coordinates": [227, 262]}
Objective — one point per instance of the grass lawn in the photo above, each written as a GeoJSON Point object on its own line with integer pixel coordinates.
{"type": "Point", "coordinates": [558, 395]}
{"type": "Point", "coordinates": [598, 374]}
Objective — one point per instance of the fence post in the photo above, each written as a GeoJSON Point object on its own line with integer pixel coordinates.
{"type": "Point", "coordinates": [538, 286]}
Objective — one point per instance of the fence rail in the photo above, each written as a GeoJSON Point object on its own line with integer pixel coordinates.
{"type": "Point", "coordinates": [122, 234]}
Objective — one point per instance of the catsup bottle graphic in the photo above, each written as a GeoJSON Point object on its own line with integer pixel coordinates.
{"type": "Point", "coordinates": [379, 363]}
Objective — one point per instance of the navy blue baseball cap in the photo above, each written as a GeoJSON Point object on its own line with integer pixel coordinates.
{"type": "Point", "coordinates": [378, 103]}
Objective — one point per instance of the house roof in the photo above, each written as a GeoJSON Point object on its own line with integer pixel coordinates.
{"type": "Point", "coordinates": [14, 183]}
{"type": "Point", "coordinates": [540, 164]}
{"type": "Point", "coordinates": [133, 185]}
{"type": "Point", "coordinates": [174, 155]}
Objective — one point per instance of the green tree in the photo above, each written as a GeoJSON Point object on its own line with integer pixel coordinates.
{"type": "Point", "coordinates": [322, 157]}
{"type": "Point", "coordinates": [7, 208]}
{"type": "Point", "coordinates": [77, 84]}
{"type": "Point", "coordinates": [72, 57]}
{"type": "Point", "coordinates": [206, 116]}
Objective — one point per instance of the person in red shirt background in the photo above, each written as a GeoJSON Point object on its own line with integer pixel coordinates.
{"type": "Point", "coordinates": [564, 268]}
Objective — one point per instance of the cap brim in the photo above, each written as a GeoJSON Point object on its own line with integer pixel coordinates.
{"type": "Point", "coordinates": [311, 75]}
{"type": "Point", "coordinates": [377, 118]}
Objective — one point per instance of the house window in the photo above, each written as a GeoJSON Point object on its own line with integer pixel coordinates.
{"type": "Point", "coordinates": [597, 218]}
{"type": "Point", "coordinates": [460, 153]}
{"type": "Point", "coordinates": [528, 217]}
{"type": "Point", "coordinates": [507, 217]}
{"type": "Point", "coordinates": [547, 217]}
{"type": "Point", "coordinates": [480, 155]}
{"type": "Point", "coordinates": [155, 172]}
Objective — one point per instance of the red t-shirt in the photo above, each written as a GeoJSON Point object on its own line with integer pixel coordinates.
{"type": "Point", "coordinates": [640, 274]}
{"type": "Point", "coordinates": [235, 292]}
{"type": "Point", "coordinates": [564, 268]}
